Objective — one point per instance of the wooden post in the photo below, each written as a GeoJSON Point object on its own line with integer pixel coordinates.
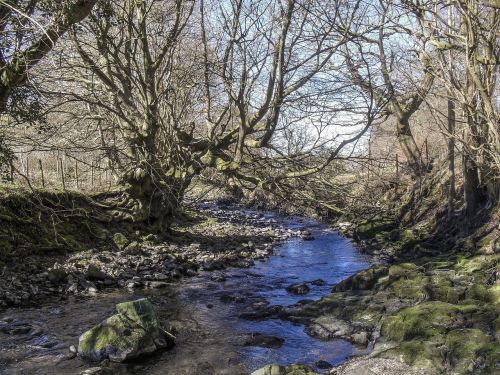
{"type": "Point", "coordinates": [76, 174]}
{"type": "Point", "coordinates": [27, 171]}
{"type": "Point", "coordinates": [40, 165]}
{"type": "Point", "coordinates": [397, 167]}
{"type": "Point", "coordinates": [426, 151]}
{"type": "Point", "coordinates": [62, 173]}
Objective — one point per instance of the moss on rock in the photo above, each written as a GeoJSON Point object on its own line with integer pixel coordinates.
{"type": "Point", "coordinates": [133, 332]}
{"type": "Point", "coordinates": [472, 351]}
{"type": "Point", "coordinates": [425, 320]}
{"type": "Point", "coordinates": [275, 369]}
{"type": "Point", "coordinates": [120, 240]}
{"type": "Point", "coordinates": [363, 280]}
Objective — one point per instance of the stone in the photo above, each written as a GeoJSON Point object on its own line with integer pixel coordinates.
{"type": "Point", "coordinates": [318, 282]}
{"type": "Point", "coordinates": [120, 240]}
{"type": "Point", "coordinates": [274, 369]}
{"type": "Point", "coordinates": [360, 338]}
{"type": "Point", "coordinates": [134, 332]}
{"type": "Point", "coordinates": [94, 273]}
{"type": "Point", "coordinates": [298, 289]}
{"type": "Point", "coordinates": [323, 365]}
{"type": "Point", "coordinates": [57, 275]}
{"type": "Point", "coordinates": [264, 341]}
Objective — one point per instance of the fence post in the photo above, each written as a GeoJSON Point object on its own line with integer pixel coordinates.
{"type": "Point", "coordinates": [76, 173]}
{"type": "Point", "coordinates": [426, 151]}
{"type": "Point", "coordinates": [27, 167]}
{"type": "Point", "coordinates": [40, 165]}
{"type": "Point", "coordinates": [397, 167]}
{"type": "Point", "coordinates": [62, 173]}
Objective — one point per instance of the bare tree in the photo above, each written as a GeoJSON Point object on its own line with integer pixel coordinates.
{"type": "Point", "coordinates": [388, 63]}
{"type": "Point", "coordinates": [465, 35]}
{"type": "Point", "coordinates": [24, 41]}
{"type": "Point", "coordinates": [184, 86]}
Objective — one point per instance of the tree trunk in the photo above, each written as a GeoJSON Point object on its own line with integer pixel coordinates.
{"type": "Point", "coordinates": [451, 158]}
{"type": "Point", "coordinates": [474, 194]}
{"type": "Point", "coordinates": [409, 146]}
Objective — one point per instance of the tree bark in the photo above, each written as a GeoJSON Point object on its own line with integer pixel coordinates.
{"type": "Point", "coordinates": [409, 146]}
{"type": "Point", "coordinates": [451, 158]}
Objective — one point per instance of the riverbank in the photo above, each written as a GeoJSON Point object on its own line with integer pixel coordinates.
{"type": "Point", "coordinates": [222, 311]}
{"type": "Point", "coordinates": [203, 238]}
{"type": "Point", "coordinates": [434, 304]}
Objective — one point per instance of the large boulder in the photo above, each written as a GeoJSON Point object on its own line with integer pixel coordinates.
{"type": "Point", "coordinates": [133, 332]}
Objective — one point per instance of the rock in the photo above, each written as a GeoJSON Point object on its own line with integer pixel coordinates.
{"type": "Point", "coordinates": [362, 280]}
{"type": "Point", "coordinates": [57, 275]}
{"type": "Point", "coordinates": [227, 298]}
{"type": "Point", "coordinates": [218, 277]}
{"type": "Point", "coordinates": [306, 235]}
{"type": "Point", "coordinates": [298, 289]}
{"type": "Point", "coordinates": [16, 327]}
{"type": "Point", "coordinates": [323, 365]}
{"type": "Point", "coordinates": [73, 349]}
{"type": "Point", "coordinates": [94, 273]}
{"type": "Point", "coordinates": [284, 370]}
{"type": "Point", "coordinates": [97, 371]}
{"type": "Point", "coordinates": [264, 313]}
{"type": "Point", "coordinates": [264, 341]}
{"type": "Point", "coordinates": [133, 248]}
{"type": "Point", "coordinates": [120, 240]}
{"type": "Point", "coordinates": [360, 338]}
{"type": "Point", "coordinates": [376, 366]}
{"type": "Point", "coordinates": [157, 284]}
{"type": "Point", "coordinates": [133, 332]}
{"type": "Point", "coordinates": [318, 282]}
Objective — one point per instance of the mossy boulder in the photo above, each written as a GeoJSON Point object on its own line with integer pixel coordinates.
{"type": "Point", "coordinates": [134, 332]}
{"type": "Point", "coordinates": [419, 354]}
{"type": "Point", "coordinates": [370, 228]}
{"type": "Point", "coordinates": [363, 280]}
{"type": "Point", "coordinates": [425, 320]}
{"type": "Point", "coordinates": [285, 370]}
{"type": "Point", "coordinates": [472, 351]}
{"type": "Point", "coordinates": [403, 270]}
{"type": "Point", "coordinates": [120, 240]}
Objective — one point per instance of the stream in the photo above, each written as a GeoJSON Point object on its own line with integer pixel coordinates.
{"type": "Point", "coordinates": [205, 313]}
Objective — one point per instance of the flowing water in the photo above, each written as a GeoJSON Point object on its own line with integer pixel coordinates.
{"type": "Point", "coordinates": [210, 335]}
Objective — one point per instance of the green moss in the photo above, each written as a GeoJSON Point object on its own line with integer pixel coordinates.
{"type": "Point", "coordinates": [411, 288]}
{"type": "Point", "coordinates": [471, 351]}
{"type": "Point", "coordinates": [363, 280]}
{"type": "Point", "coordinates": [426, 355]}
{"type": "Point", "coordinates": [425, 320]}
{"type": "Point", "coordinates": [120, 240]}
{"type": "Point", "coordinates": [369, 228]}
{"type": "Point", "coordinates": [403, 270]}
{"type": "Point", "coordinates": [295, 369]}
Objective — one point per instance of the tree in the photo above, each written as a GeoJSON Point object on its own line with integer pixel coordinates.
{"type": "Point", "coordinates": [389, 64]}
{"type": "Point", "coordinates": [465, 35]}
{"type": "Point", "coordinates": [182, 86]}
{"type": "Point", "coordinates": [25, 42]}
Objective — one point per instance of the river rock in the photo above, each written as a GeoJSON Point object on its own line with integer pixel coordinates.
{"type": "Point", "coordinates": [318, 282]}
{"type": "Point", "coordinates": [94, 273]}
{"type": "Point", "coordinates": [299, 288]}
{"type": "Point", "coordinates": [57, 275]}
{"type": "Point", "coordinates": [133, 332]}
{"type": "Point", "coordinates": [284, 370]}
{"type": "Point", "coordinates": [120, 240]}
{"type": "Point", "coordinates": [264, 341]}
{"type": "Point", "coordinates": [323, 365]}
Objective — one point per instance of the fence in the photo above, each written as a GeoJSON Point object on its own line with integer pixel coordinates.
{"type": "Point", "coordinates": [61, 171]}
